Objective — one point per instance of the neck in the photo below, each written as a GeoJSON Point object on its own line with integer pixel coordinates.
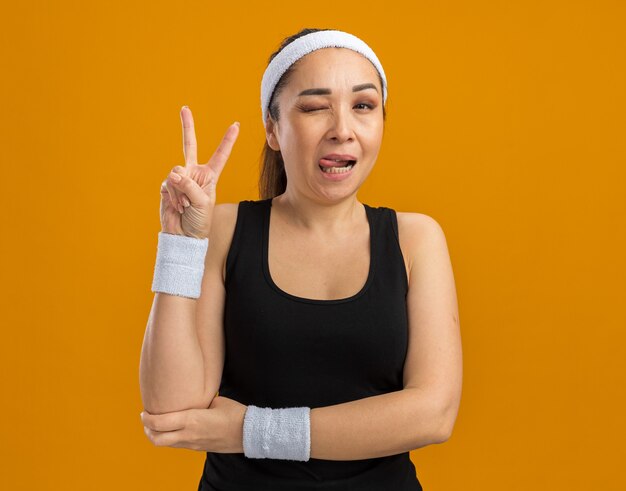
{"type": "Point", "coordinates": [319, 217]}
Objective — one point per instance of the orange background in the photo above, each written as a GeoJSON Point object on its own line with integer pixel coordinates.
{"type": "Point", "coordinates": [506, 123]}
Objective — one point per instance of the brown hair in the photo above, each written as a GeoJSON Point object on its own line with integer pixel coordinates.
{"type": "Point", "coordinates": [272, 179]}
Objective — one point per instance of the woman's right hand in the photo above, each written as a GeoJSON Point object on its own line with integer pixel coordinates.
{"type": "Point", "coordinates": [188, 193]}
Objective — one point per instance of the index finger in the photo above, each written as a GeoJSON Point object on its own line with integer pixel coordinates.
{"type": "Point", "coordinates": [190, 147]}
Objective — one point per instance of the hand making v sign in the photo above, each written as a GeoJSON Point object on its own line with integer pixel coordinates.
{"type": "Point", "coordinates": [188, 193]}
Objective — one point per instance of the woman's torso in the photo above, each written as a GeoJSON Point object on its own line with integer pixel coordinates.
{"type": "Point", "coordinates": [312, 343]}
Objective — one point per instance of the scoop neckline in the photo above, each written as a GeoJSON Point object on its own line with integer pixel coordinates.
{"type": "Point", "coordinates": [276, 288]}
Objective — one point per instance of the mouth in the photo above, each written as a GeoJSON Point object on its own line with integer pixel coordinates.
{"type": "Point", "coordinates": [336, 166]}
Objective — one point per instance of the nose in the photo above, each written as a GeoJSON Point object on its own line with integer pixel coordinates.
{"type": "Point", "coordinates": [341, 126]}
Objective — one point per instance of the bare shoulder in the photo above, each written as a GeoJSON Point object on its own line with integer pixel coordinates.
{"type": "Point", "coordinates": [223, 213]}
{"type": "Point", "coordinates": [417, 225]}
{"type": "Point", "coordinates": [221, 235]}
{"type": "Point", "coordinates": [420, 236]}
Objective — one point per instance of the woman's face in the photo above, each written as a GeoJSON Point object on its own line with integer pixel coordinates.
{"type": "Point", "coordinates": [332, 104]}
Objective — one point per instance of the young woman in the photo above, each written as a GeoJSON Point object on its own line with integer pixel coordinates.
{"type": "Point", "coordinates": [328, 328]}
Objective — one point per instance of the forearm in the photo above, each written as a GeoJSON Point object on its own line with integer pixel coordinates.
{"type": "Point", "coordinates": [377, 426]}
{"type": "Point", "coordinates": [171, 369]}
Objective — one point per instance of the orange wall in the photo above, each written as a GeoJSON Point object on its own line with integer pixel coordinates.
{"type": "Point", "coordinates": [505, 123]}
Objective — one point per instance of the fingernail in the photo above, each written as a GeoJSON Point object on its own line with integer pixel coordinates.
{"type": "Point", "coordinates": [237, 123]}
{"type": "Point", "coordinates": [184, 107]}
{"type": "Point", "coordinates": [175, 177]}
{"type": "Point", "coordinates": [186, 201]}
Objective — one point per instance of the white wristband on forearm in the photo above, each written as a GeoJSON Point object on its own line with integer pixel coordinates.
{"type": "Point", "coordinates": [277, 433]}
{"type": "Point", "coordinates": [179, 265]}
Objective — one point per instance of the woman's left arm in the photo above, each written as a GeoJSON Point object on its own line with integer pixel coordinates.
{"type": "Point", "coordinates": [423, 412]}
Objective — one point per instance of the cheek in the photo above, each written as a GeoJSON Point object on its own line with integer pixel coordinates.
{"type": "Point", "coordinates": [293, 134]}
{"type": "Point", "coordinates": [300, 139]}
{"type": "Point", "coordinates": [375, 136]}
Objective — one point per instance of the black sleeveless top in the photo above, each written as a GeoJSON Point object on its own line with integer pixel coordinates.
{"type": "Point", "coordinates": [288, 351]}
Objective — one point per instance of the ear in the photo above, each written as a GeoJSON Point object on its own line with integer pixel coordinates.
{"type": "Point", "coordinates": [270, 134]}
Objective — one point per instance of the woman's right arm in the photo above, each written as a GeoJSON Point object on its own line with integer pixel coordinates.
{"type": "Point", "coordinates": [182, 357]}
{"type": "Point", "coordinates": [182, 354]}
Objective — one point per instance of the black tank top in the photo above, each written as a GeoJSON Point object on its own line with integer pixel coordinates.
{"type": "Point", "coordinates": [288, 351]}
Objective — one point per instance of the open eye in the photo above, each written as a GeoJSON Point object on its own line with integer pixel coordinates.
{"type": "Point", "coordinates": [369, 106]}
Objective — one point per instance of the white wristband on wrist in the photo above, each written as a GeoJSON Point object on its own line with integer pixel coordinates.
{"type": "Point", "coordinates": [277, 433]}
{"type": "Point", "coordinates": [179, 266]}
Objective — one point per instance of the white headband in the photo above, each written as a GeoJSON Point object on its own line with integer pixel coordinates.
{"type": "Point", "coordinates": [303, 46]}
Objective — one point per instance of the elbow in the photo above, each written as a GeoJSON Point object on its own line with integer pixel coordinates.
{"type": "Point", "coordinates": [447, 420]}
{"type": "Point", "coordinates": [444, 433]}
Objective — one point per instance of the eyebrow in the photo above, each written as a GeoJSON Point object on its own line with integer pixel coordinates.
{"type": "Point", "coordinates": [325, 91]}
